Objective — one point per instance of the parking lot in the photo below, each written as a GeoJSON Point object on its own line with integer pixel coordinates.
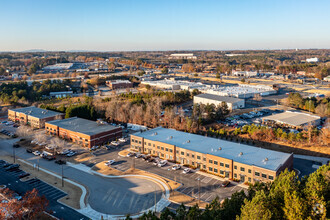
{"type": "Point", "coordinates": [193, 184]}
{"type": "Point", "coordinates": [12, 181]}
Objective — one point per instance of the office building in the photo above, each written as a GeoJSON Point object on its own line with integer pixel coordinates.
{"type": "Point", "coordinates": [84, 132]}
{"type": "Point", "coordinates": [216, 156]}
{"type": "Point", "coordinates": [119, 84]}
{"type": "Point", "coordinates": [33, 116]}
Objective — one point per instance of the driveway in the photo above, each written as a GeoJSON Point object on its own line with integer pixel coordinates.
{"type": "Point", "coordinates": [109, 196]}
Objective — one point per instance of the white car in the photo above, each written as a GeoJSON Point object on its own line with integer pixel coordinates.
{"type": "Point", "coordinates": [123, 140]}
{"type": "Point", "coordinates": [187, 170]}
{"type": "Point", "coordinates": [162, 163]}
{"type": "Point", "coordinates": [176, 167]}
{"type": "Point", "coordinates": [37, 153]}
{"type": "Point", "coordinates": [115, 143]}
{"type": "Point", "coordinates": [110, 162]}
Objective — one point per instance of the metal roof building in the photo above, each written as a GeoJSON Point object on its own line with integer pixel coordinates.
{"type": "Point", "coordinates": [232, 103]}
{"type": "Point", "coordinates": [241, 153]}
{"type": "Point", "coordinates": [37, 112]}
{"type": "Point", "coordinates": [295, 119]}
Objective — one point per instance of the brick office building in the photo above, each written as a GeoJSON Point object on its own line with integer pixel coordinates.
{"type": "Point", "coordinates": [85, 132]}
{"type": "Point", "coordinates": [119, 84]}
{"type": "Point", "coordinates": [33, 116]}
{"type": "Point", "coordinates": [219, 157]}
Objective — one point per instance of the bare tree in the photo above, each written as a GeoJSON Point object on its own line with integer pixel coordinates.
{"type": "Point", "coordinates": [24, 131]}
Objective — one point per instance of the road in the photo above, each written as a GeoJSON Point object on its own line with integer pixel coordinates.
{"type": "Point", "coordinates": [109, 196]}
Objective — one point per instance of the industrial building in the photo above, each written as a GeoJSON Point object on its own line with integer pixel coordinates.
{"type": "Point", "coordinates": [33, 116]}
{"type": "Point", "coordinates": [85, 132]}
{"type": "Point", "coordinates": [293, 119]}
{"type": "Point", "coordinates": [232, 103]}
{"type": "Point", "coordinates": [216, 156]}
{"type": "Point", "coordinates": [119, 84]}
{"type": "Point", "coordinates": [60, 94]}
{"type": "Point", "coordinates": [186, 56]}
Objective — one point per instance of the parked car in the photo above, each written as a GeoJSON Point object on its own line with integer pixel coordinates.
{"type": "Point", "coordinates": [110, 162]}
{"type": "Point", "coordinates": [225, 183]}
{"type": "Point", "coordinates": [130, 154]}
{"type": "Point", "coordinates": [23, 175]}
{"type": "Point", "coordinates": [145, 157]}
{"type": "Point", "coordinates": [6, 164]}
{"type": "Point", "coordinates": [29, 150]}
{"type": "Point", "coordinates": [150, 159]}
{"type": "Point", "coordinates": [16, 145]}
{"type": "Point", "coordinates": [187, 170]}
{"type": "Point", "coordinates": [155, 162]}
{"type": "Point", "coordinates": [71, 154]}
{"type": "Point", "coordinates": [50, 157]}
{"type": "Point", "coordinates": [176, 167]}
{"type": "Point", "coordinates": [12, 167]}
{"type": "Point", "coordinates": [138, 155]}
{"type": "Point", "coordinates": [60, 162]}
{"type": "Point", "coordinates": [115, 143]}
{"type": "Point", "coordinates": [37, 153]}
{"type": "Point", "coordinates": [162, 163]}
{"type": "Point", "coordinates": [123, 140]}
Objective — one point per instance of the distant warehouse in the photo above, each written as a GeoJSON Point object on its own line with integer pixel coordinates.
{"type": "Point", "coordinates": [33, 116]}
{"type": "Point", "coordinates": [85, 132]}
{"type": "Point", "coordinates": [119, 84]}
{"type": "Point", "coordinates": [232, 103]}
{"type": "Point", "coordinates": [219, 157]}
{"type": "Point", "coordinates": [293, 119]}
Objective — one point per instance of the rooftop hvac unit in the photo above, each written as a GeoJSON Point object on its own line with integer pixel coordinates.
{"type": "Point", "coordinates": [188, 141]}
{"type": "Point", "coordinates": [266, 159]}
{"type": "Point", "coordinates": [240, 154]}
{"type": "Point", "coordinates": [220, 148]}
{"type": "Point", "coordinates": [171, 137]}
{"type": "Point", "coordinates": [155, 133]}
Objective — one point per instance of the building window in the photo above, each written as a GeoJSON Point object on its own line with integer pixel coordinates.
{"type": "Point", "coordinates": [145, 143]}
{"type": "Point", "coordinates": [215, 170]}
{"type": "Point", "coordinates": [222, 172]}
{"type": "Point", "coordinates": [198, 157]}
{"type": "Point", "coordinates": [242, 169]}
{"type": "Point", "coordinates": [162, 148]}
{"type": "Point", "coordinates": [210, 161]}
{"type": "Point", "coordinates": [139, 142]}
{"type": "Point", "coordinates": [193, 156]}
{"type": "Point", "coordinates": [162, 155]}
{"type": "Point", "coordinates": [227, 165]}
{"type": "Point", "coordinates": [257, 173]}
{"type": "Point", "coordinates": [167, 156]}
{"type": "Point", "coordinates": [158, 147]}
{"type": "Point", "coordinates": [187, 154]}
{"type": "Point", "coordinates": [235, 167]}
{"type": "Point", "coordinates": [249, 171]}
{"type": "Point", "coordinates": [171, 150]}
{"type": "Point", "coordinates": [235, 175]}
{"type": "Point", "coordinates": [270, 177]}
{"type": "Point", "coordinates": [153, 152]}
{"type": "Point", "coordinates": [149, 144]}
{"type": "Point", "coordinates": [204, 158]}
{"type": "Point", "coordinates": [193, 163]}
{"type": "Point", "coordinates": [264, 175]}
{"type": "Point", "coordinates": [249, 179]}
{"type": "Point", "coordinates": [215, 162]}
{"type": "Point", "coordinates": [154, 145]}
{"type": "Point", "coordinates": [204, 167]}
{"type": "Point", "coordinates": [221, 164]}
{"type": "Point", "coordinates": [182, 153]}
{"type": "Point", "coordinates": [210, 169]}
{"type": "Point", "coordinates": [177, 151]}
{"type": "Point", "coordinates": [166, 149]}
{"type": "Point", "coordinates": [132, 139]}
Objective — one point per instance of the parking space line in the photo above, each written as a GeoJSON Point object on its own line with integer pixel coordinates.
{"type": "Point", "coordinates": [208, 198]}
{"type": "Point", "coordinates": [189, 191]}
{"type": "Point", "coordinates": [233, 188]}
{"type": "Point", "coordinates": [203, 195]}
{"type": "Point", "coordinates": [45, 191]}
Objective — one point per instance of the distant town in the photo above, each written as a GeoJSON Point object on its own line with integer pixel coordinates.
{"type": "Point", "coordinates": [114, 135]}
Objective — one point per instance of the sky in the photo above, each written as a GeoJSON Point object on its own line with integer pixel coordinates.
{"type": "Point", "coordinates": [131, 25]}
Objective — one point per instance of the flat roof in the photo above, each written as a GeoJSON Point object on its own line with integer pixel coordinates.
{"type": "Point", "coordinates": [37, 112]}
{"type": "Point", "coordinates": [82, 126]}
{"type": "Point", "coordinates": [219, 98]}
{"type": "Point", "coordinates": [230, 150]}
{"type": "Point", "coordinates": [293, 118]}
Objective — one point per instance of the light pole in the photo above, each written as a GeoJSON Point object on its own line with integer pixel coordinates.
{"type": "Point", "coordinates": [199, 190]}
{"type": "Point", "coordinates": [62, 177]}
{"type": "Point", "coordinates": [14, 153]}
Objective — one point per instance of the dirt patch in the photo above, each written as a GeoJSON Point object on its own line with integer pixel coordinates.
{"type": "Point", "coordinates": [74, 192]}
{"type": "Point", "coordinates": [179, 198]}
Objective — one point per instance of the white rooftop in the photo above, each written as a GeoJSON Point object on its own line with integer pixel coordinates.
{"type": "Point", "coordinates": [230, 150]}
{"type": "Point", "coordinates": [293, 118]}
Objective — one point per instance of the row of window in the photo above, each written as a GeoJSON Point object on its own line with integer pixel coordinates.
{"type": "Point", "coordinates": [136, 141]}
{"type": "Point", "coordinates": [264, 175]}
